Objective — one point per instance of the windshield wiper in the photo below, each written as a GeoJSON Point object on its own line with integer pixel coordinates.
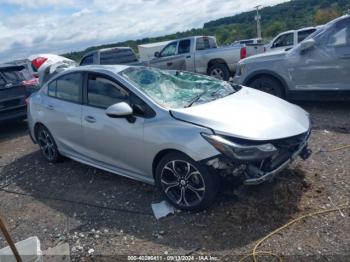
{"type": "Point", "coordinates": [195, 99]}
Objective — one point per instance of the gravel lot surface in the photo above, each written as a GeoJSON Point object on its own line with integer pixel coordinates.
{"type": "Point", "coordinates": [106, 217]}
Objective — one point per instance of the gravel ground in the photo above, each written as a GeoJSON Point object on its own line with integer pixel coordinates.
{"type": "Point", "coordinates": [106, 217]}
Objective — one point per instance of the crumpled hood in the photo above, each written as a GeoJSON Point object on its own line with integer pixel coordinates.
{"type": "Point", "coordinates": [248, 114]}
{"type": "Point", "coordinates": [272, 55]}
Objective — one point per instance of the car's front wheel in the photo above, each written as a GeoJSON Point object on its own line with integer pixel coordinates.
{"type": "Point", "coordinates": [186, 184]}
{"type": "Point", "coordinates": [47, 145]}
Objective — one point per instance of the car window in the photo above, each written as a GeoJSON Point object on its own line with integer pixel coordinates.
{"type": "Point", "coordinates": [103, 92]}
{"type": "Point", "coordinates": [203, 43]}
{"type": "Point", "coordinates": [184, 46]}
{"type": "Point", "coordinates": [2, 82]}
{"type": "Point", "coordinates": [11, 76]}
{"type": "Point", "coordinates": [340, 34]}
{"type": "Point", "coordinates": [52, 88]}
{"type": "Point", "coordinates": [67, 87]}
{"type": "Point", "coordinates": [169, 50]}
{"type": "Point", "coordinates": [117, 56]}
{"type": "Point", "coordinates": [284, 40]}
{"type": "Point", "coordinates": [88, 60]}
{"type": "Point", "coordinates": [302, 35]}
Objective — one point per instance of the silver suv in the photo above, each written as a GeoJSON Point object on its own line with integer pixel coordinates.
{"type": "Point", "coordinates": [317, 68]}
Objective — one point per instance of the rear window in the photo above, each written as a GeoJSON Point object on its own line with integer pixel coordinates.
{"type": "Point", "coordinates": [13, 76]}
{"type": "Point", "coordinates": [117, 56]}
{"type": "Point", "coordinates": [87, 60]}
{"type": "Point", "coordinates": [204, 43]}
{"type": "Point", "coordinates": [302, 35]}
{"type": "Point", "coordinates": [2, 82]}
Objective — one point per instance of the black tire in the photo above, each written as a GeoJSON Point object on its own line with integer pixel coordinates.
{"type": "Point", "coordinates": [191, 188]}
{"type": "Point", "coordinates": [219, 71]}
{"type": "Point", "coordinates": [48, 145]}
{"type": "Point", "coordinates": [269, 85]}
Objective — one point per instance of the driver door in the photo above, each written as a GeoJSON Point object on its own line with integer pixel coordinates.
{"type": "Point", "coordinates": [169, 58]}
{"type": "Point", "coordinates": [112, 142]}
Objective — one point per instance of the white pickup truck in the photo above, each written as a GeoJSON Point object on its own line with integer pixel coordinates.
{"type": "Point", "coordinates": [287, 40]}
{"type": "Point", "coordinates": [201, 54]}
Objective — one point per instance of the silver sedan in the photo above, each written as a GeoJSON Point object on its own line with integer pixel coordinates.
{"type": "Point", "coordinates": [178, 130]}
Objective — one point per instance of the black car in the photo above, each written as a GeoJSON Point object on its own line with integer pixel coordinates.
{"type": "Point", "coordinates": [15, 86]}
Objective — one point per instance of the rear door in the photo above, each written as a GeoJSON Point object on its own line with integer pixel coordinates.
{"type": "Point", "coordinates": [112, 142]}
{"type": "Point", "coordinates": [12, 94]}
{"type": "Point", "coordinates": [62, 110]}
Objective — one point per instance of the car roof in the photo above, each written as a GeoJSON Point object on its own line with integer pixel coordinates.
{"type": "Point", "coordinates": [106, 49]}
{"type": "Point", "coordinates": [112, 68]}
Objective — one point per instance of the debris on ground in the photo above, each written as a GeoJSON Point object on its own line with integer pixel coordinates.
{"type": "Point", "coordinates": [162, 209]}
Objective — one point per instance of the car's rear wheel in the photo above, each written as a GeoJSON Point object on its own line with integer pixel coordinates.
{"type": "Point", "coordinates": [269, 85]}
{"type": "Point", "coordinates": [219, 71]}
{"type": "Point", "coordinates": [186, 184]}
{"type": "Point", "coordinates": [47, 145]}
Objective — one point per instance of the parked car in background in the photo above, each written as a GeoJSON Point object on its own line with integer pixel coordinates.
{"type": "Point", "coordinates": [41, 64]}
{"type": "Point", "coordinates": [16, 84]}
{"type": "Point", "coordinates": [110, 56]}
{"type": "Point", "coordinates": [317, 68]}
{"type": "Point", "coordinates": [201, 54]}
{"type": "Point", "coordinates": [178, 130]}
{"type": "Point", "coordinates": [289, 39]}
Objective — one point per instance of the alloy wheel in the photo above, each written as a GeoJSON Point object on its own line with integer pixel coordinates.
{"type": "Point", "coordinates": [182, 183]}
{"type": "Point", "coordinates": [217, 73]}
{"type": "Point", "coordinates": [47, 144]}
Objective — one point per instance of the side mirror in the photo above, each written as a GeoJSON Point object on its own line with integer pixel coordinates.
{"type": "Point", "coordinates": [119, 110]}
{"type": "Point", "coordinates": [157, 54]}
{"type": "Point", "coordinates": [307, 44]}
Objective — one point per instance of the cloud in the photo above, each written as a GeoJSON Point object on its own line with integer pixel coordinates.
{"type": "Point", "coordinates": [59, 26]}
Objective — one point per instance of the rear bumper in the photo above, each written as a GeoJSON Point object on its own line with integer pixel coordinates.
{"type": "Point", "coordinates": [261, 177]}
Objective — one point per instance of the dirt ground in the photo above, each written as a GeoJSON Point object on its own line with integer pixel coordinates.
{"type": "Point", "coordinates": [106, 217]}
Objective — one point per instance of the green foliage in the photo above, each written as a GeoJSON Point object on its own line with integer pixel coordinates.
{"type": "Point", "coordinates": [275, 19]}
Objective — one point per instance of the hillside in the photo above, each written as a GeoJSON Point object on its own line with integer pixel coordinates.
{"type": "Point", "coordinates": [275, 19]}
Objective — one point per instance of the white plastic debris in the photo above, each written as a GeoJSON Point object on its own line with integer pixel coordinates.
{"type": "Point", "coordinates": [162, 209]}
{"type": "Point", "coordinates": [28, 249]}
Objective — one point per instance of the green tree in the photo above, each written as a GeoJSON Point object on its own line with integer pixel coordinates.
{"type": "Point", "coordinates": [323, 16]}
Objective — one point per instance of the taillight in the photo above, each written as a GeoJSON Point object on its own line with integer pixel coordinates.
{"type": "Point", "coordinates": [243, 52]}
{"type": "Point", "coordinates": [37, 62]}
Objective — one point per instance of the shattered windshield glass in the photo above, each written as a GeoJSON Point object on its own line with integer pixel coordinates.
{"type": "Point", "coordinates": [176, 89]}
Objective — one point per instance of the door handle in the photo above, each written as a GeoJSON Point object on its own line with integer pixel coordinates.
{"type": "Point", "coordinates": [169, 64]}
{"type": "Point", "coordinates": [188, 56]}
{"type": "Point", "coordinates": [90, 119]}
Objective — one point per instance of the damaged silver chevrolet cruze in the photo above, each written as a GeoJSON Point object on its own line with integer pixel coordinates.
{"type": "Point", "coordinates": [178, 130]}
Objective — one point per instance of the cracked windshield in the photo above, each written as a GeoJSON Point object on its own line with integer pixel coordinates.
{"type": "Point", "coordinates": [176, 89]}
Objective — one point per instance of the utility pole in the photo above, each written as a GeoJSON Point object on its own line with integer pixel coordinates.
{"type": "Point", "coordinates": [258, 19]}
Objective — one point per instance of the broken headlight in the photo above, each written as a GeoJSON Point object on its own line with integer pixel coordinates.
{"type": "Point", "coordinates": [238, 151]}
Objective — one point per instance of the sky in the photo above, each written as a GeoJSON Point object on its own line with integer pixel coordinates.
{"type": "Point", "coordinates": [57, 26]}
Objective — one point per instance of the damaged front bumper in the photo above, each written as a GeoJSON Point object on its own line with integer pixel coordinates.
{"type": "Point", "coordinates": [254, 172]}
{"type": "Point", "coordinates": [255, 176]}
